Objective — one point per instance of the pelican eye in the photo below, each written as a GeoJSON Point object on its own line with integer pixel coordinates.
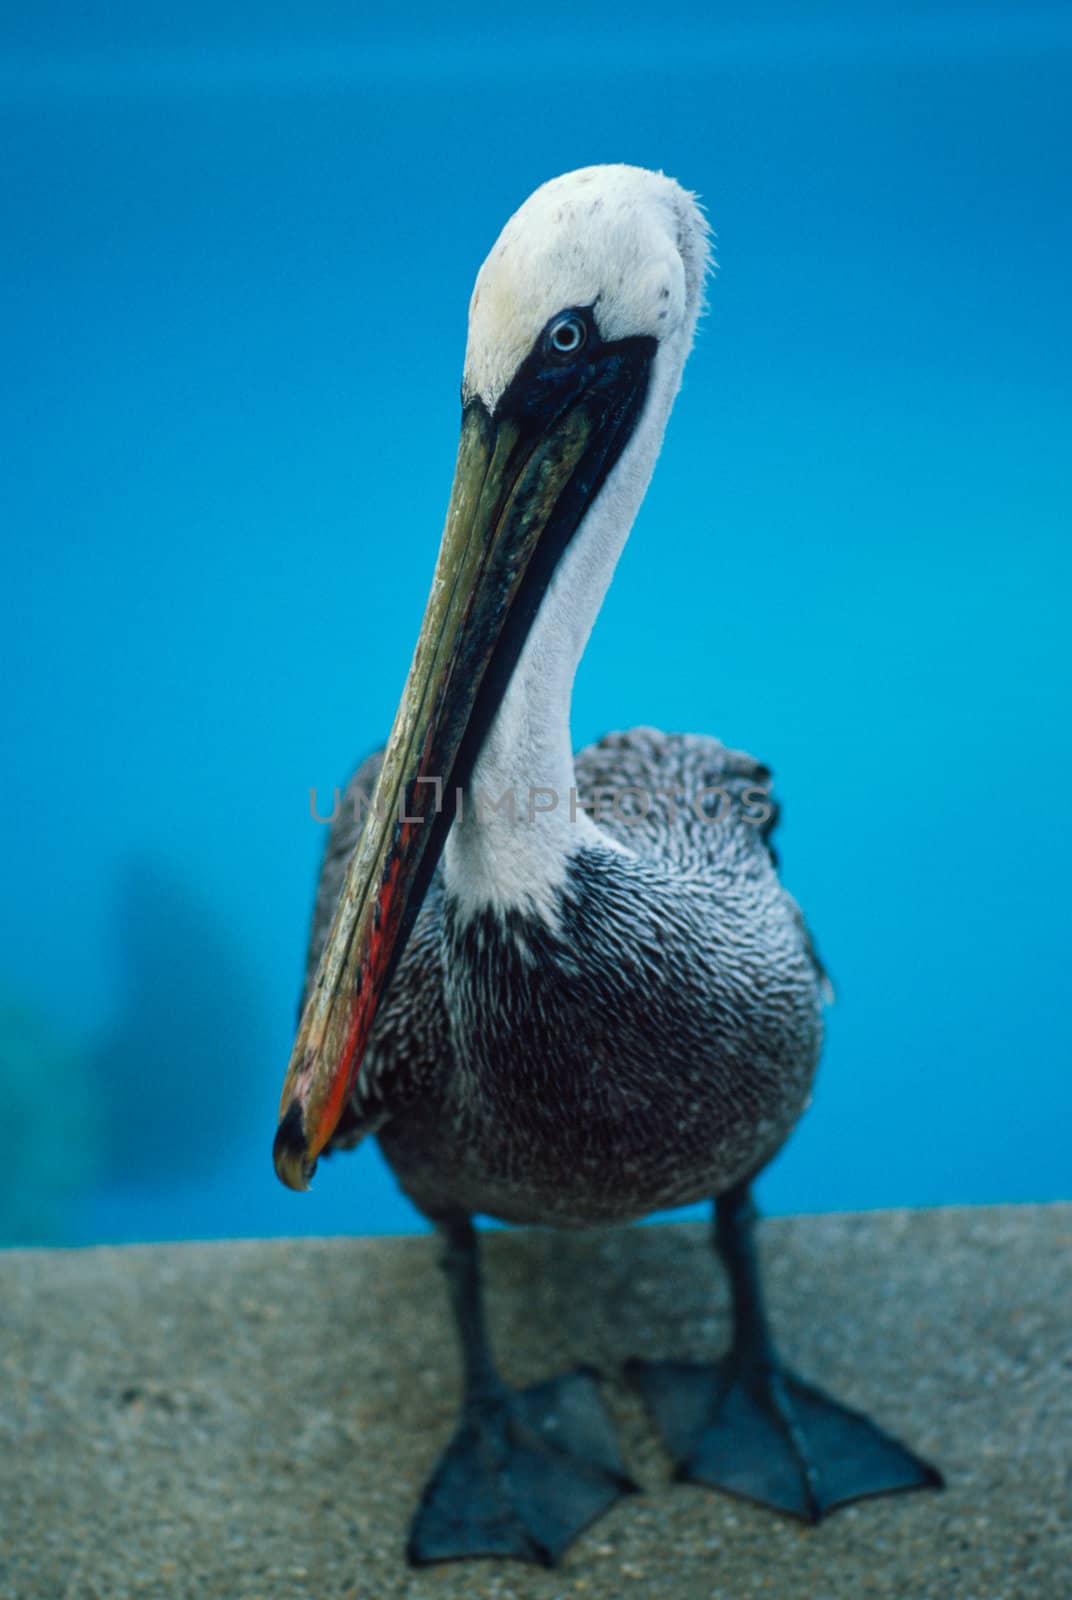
{"type": "Point", "coordinates": [566, 335]}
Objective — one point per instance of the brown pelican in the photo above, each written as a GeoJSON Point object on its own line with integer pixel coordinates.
{"type": "Point", "coordinates": [549, 1009]}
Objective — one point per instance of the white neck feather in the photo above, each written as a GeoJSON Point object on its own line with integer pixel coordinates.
{"type": "Point", "coordinates": [498, 859]}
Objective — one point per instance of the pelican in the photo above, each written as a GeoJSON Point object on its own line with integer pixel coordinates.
{"type": "Point", "coordinates": [549, 1009]}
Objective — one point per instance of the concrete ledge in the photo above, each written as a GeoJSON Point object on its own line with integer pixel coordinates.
{"type": "Point", "coordinates": [255, 1419]}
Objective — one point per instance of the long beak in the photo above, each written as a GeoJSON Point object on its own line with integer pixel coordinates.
{"type": "Point", "coordinates": [521, 487]}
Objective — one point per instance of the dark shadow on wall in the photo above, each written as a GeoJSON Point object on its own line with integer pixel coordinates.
{"type": "Point", "coordinates": [178, 1070]}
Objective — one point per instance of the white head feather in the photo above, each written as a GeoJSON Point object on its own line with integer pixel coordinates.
{"type": "Point", "coordinates": [631, 243]}
{"type": "Point", "coordinates": [634, 246]}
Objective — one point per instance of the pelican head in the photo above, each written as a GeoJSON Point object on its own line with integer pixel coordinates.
{"type": "Point", "coordinates": [579, 325]}
{"type": "Point", "coordinates": [623, 248]}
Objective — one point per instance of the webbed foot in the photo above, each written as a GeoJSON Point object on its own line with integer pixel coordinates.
{"type": "Point", "coordinates": [526, 1471]}
{"type": "Point", "coordinates": [763, 1434]}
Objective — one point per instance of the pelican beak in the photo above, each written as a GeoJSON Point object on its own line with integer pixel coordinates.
{"type": "Point", "coordinates": [523, 481]}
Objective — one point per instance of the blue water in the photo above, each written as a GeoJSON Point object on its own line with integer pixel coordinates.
{"type": "Point", "coordinates": [236, 260]}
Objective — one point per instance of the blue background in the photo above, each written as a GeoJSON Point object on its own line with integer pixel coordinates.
{"type": "Point", "coordinates": [236, 260]}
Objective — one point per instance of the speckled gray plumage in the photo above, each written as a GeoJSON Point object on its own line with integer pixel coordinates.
{"type": "Point", "coordinates": [653, 1047]}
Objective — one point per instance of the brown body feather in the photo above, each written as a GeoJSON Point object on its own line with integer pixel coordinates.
{"type": "Point", "coordinates": [653, 1045]}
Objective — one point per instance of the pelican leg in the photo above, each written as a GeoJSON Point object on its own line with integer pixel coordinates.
{"type": "Point", "coordinates": [747, 1425]}
{"type": "Point", "coordinates": [527, 1469]}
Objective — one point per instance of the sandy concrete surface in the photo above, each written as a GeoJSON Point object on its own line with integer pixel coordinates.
{"type": "Point", "coordinates": [255, 1419]}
